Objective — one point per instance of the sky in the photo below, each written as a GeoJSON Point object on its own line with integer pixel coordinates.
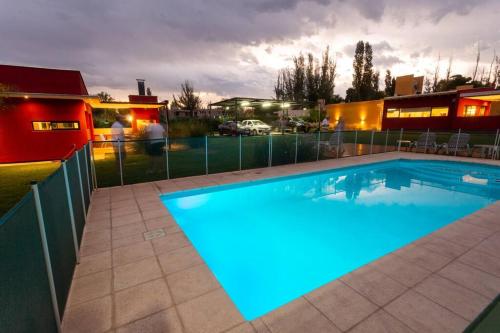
{"type": "Point", "coordinates": [236, 47]}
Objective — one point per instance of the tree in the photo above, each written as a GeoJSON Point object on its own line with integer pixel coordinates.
{"type": "Point", "coordinates": [478, 58]}
{"type": "Point", "coordinates": [489, 82]}
{"type": "Point", "coordinates": [312, 79]}
{"type": "Point", "coordinates": [448, 70]}
{"type": "Point", "coordinates": [299, 79]}
{"type": "Point", "coordinates": [390, 84]}
{"type": "Point", "coordinates": [365, 81]}
{"type": "Point", "coordinates": [367, 89]}
{"type": "Point", "coordinates": [357, 76]}
{"type": "Point", "coordinates": [435, 79]}
{"type": "Point", "coordinates": [187, 99]}
{"type": "Point", "coordinates": [105, 97]}
{"type": "Point", "coordinates": [427, 86]}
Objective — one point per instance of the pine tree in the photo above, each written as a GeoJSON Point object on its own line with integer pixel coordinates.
{"type": "Point", "coordinates": [390, 84]}
{"type": "Point", "coordinates": [358, 65]}
{"type": "Point", "coordinates": [187, 99]}
{"type": "Point", "coordinates": [367, 91]}
{"type": "Point", "coordinates": [299, 78]}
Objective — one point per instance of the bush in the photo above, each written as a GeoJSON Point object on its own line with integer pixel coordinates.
{"type": "Point", "coordinates": [181, 128]}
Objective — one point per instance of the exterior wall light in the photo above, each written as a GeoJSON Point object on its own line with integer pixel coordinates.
{"type": "Point", "coordinates": [266, 104]}
{"type": "Point", "coordinates": [245, 103]}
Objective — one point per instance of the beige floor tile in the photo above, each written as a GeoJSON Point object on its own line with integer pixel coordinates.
{"type": "Point", "coordinates": [259, 326]}
{"type": "Point", "coordinates": [128, 254]}
{"type": "Point", "coordinates": [88, 250]}
{"type": "Point", "coordinates": [452, 296]}
{"type": "Point", "coordinates": [242, 328]}
{"type": "Point", "coordinates": [401, 270]}
{"type": "Point", "coordinates": [124, 211]}
{"type": "Point", "coordinates": [93, 316]}
{"type": "Point", "coordinates": [90, 287]}
{"type": "Point", "coordinates": [463, 233]}
{"type": "Point", "coordinates": [423, 257]}
{"type": "Point", "coordinates": [126, 219]}
{"type": "Point", "coordinates": [341, 304]}
{"type": "Point", "coordinates": [155, 213]}
{"type": "Point", "coordinates": [442, 246]}
{"type": "Point", "coordinates": [483, 261]}
{"type": "Point", "coordinates": [130, 240]}
{"type": "Point", "coordinates": [179, 259]}
{"type": "Point", "coordinates": [484, 219]}
{"type": "Point", "coordinates": [191, 282]}
{"type": "Point", "coordinates": [296, 317]}
{"type": "Point", "coordinates": [374, 285]}
{"type": "Point", "coordinates": [137, 272]}
{"type": "Point", "coordinates": [93, 264]}
{"type": "Point", "coordinates": [472, 278]}
{"type": "Point", "coordinates": [97, 237]}
{"type": "Point", "coordinates": [140, 301]}
{"type": "Point", "coordinates": [159, 222]}
{"type": "Point", "coordinates": [212, 312]}
{"type": "Point", "coordinates": [381, 322]}
{"type": "Point", "coordinates": [423, 315]}
{"type": "Point", "coordinates": [162, 322]}
{"type": "Point", "coordinates": [490, 245]}
{"type": "Point", "coordinates": [97, 226]}
{"type": "Point", "coordinates": [170, 242]}
{"type": "Point", "coordinates": [124, 203]}
{"type": "Point", "coordinates": [128, 230]}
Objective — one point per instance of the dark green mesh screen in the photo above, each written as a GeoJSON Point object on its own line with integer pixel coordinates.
{"type": "Point", "coordinates": [223, 153]}
{"type": "Point", "coordinates": [254, 152]}
{"type": "Point", "coordinates": [76, 196]}
{"type": "Point", "coordinates": [307, 147]}
{"type": "Point", "coordinates": [25, 303]}
{"type": "Point", "coordinates": [59, 233]}
{"type": "Point", "coordinates": [283, 149]}
{"type": "Point", "coordinates": [145, 161]}
{"type": "Point", "coordinates": [186, 157]}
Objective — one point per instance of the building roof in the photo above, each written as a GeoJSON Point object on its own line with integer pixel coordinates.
{"type": "Point", "coordinates": [42, 80]}
{"type": "Point", "coordinates": [440, 93]}
{"type": "Point", "coordinates": [251, 102]}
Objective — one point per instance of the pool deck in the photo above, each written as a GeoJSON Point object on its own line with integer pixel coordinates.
{"type": "Point", "coordinates": [125, 283]}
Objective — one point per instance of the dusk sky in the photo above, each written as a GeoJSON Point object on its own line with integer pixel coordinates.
{"type": "Point", "coordinates": [235, 48]}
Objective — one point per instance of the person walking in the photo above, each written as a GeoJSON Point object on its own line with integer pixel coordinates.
{"type": "Point", "coordinates": [155, 145]}
{"type": "Point", "coordinates": [118, 138]}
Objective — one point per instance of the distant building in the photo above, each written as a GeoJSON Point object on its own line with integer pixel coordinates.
{"type": "Point", "coordinates": [409, 85]}
{"type": "Point", "coordinates": [366, 115]}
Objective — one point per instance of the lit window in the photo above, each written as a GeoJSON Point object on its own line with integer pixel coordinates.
{"type": "Point", "coordinates": [470, 111]}
{"type": "Point", "coordinates": [392, 113]}
{"type": "Point", "coordinates": [41, 126]}
{"type": "Point", "coordinates": [415, 112]}
{"type": "Point", "coordinates": [439, 112]}
{"type": "Point", "coordinates": [55, 125]}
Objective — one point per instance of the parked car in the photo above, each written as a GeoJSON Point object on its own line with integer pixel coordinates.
{"type": "Point", "coordinates": [256, 127]}
{"type": "Point", "coordinates": [231, 127]}
{"type": "Point", "coordinates": [298, 124]}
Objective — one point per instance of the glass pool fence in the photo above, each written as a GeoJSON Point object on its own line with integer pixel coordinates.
{"type": "Point", "coordinates": [40, 241]}
{"type": "Point", "coordinates": [133, 161]}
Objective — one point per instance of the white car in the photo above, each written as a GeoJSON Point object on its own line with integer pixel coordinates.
{"type": "Point", "coordinates": [256, 127]}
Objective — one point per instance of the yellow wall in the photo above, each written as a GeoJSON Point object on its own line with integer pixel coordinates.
{"type": "Point", "coordinates": [365, 115]}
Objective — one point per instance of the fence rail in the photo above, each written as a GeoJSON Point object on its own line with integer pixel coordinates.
{"type": "Point", "coordinates": [40, 239]}
{"type": "Point", "coordinates": [117, 163]}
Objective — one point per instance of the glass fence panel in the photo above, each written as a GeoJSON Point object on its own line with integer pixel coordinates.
{"type": "Point", "coordinates": [25, 300]}
{"type": "Point", "coordinates": [60, 241]}
{"type": "Point", "coordinates": [307, 147]}
{"type": "Point", "coordinates": [349, 139]}
{"type": "Point", "coordinates": [106, 162]}
{"type": "Point", "coordinates": [76, 196]}
{"type": "Point", "coordinates": [363, 142]}
{"type": "Point", "coordinates": [254, 152]}
{"type": "Point", "coordinates": [378, 145]}
{"type": "Point", "coordinates": [144, 161]}
{"type": "Point", "coordinates": [223, 153]}
{"type": "Point", "coordinates": [186, 157]}
{"type": "Point", "coordinates": [85, 171]}
{"type": "Point", "coordinates": [392, 137]}
{"type": "Point", "coordinates": [483, 145]}
{"type": "Point", "coordinates": [283, 148]}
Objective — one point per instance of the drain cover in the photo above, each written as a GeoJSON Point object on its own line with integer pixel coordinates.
{"type": "Point", "coordinates": [157, 233]}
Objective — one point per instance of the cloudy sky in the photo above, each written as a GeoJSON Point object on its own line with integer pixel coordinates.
{"type": "Point", "coordinates": [235, 47]}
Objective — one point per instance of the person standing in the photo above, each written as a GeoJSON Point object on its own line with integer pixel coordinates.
{"type": "Point", "coordinates": [118, 138]}
{"type": "Point", "coordinates": [155, 145]}
{"type": "Point", "coordinates": [325, 123]}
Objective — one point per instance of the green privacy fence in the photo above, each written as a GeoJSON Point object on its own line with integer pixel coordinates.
{"type": "Point", "coordinates": [39, 242]}
{"type": "Point", "coordinates": [128, 162]}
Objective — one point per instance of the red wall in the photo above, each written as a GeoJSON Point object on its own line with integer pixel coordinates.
{"type": "Point", "coordinates": [143, 114]}
{"type": "Point", "coordinates": [468, 101]}
{"type": "Point", "coordinates": [433, 123]}
{"type": "Point", "coordinates": [18, 141]}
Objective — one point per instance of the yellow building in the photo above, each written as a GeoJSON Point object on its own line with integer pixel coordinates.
{"type": "Point", "coordinates": [366, 115]}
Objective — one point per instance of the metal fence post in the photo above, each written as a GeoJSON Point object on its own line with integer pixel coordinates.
{"type": "Point", "coordinates": [400, 139]}
{"type": "Point", "coordinates": [426, 140]}
{"type": "Point", "coordinates": [120, 161]}
{"type": "Point", "coordinates": [338, 142]}
{"type": "Point", "coordinates": [355, 143]}
{"type": "Point", "coordinates": [166, 157]}
{"type": "Point", "coordinates": [317, 148]}
{"type": "Point", "coordinates": [270, 152]}
{"type": "Point", "coordinates": [386, 139]}
{"type": "Point", "coordinates": [296, 145]}
{"type": "Point", "coordinates": [87, 171]}
{"type": "Point", "coordinates": [92, 165]}
{"type": "Point", "coordinates": [80, 181]}
{"type": "Point", "coordinates": [206, 154]}
{"type": "Point", "coordinates": [371, 142]}
{"type": "Point", "coordinates": [240, 151]}
{"type": "Point", "coordinates": [46, 255]}
{"type": "Point", "coordinates": [458, 140]}
{"type": "Point", "coordinates": [71, 212]}
{"type": "Point", "coordinates": [494, 153]}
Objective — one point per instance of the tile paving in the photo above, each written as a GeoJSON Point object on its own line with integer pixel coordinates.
{"type": "Point", "coordinates": [125, 283]}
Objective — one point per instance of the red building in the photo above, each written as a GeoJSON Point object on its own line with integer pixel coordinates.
{"type": "Point", "coordinates": [44, 113]}
{"type": "Point", "coordinates": [469, 109]}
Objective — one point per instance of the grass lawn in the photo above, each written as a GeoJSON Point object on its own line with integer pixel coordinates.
{"type": "Point", "coordinates": [15, 181]}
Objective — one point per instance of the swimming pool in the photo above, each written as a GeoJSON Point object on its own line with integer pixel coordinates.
{"type": "Point", "coordinates": [271, 241]}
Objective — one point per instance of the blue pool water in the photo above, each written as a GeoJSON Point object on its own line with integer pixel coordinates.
{"type": "Point", "coordinates": [269, 242]}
